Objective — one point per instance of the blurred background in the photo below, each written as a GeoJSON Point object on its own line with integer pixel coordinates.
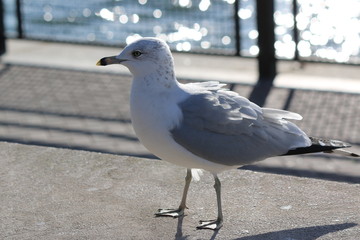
{"type": "Point", "coordinates": [325, 30]}
{"type": "Point", "coordinates": [298, 55]}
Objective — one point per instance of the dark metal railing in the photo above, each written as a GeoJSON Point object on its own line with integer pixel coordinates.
{"type": "Point", "coordinates": [237, 28]}
{"type": "Point", "coordinates": [266, 58]}
{"type": "Point", "coordinates": [19, 17]}
{"type": "Point", "coordinates": [295, 31]}
{"type": "Point", "coordinates": [2, 30]}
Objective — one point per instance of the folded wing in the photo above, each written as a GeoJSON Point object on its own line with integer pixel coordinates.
{"type": "Point", "coordinates": [223, 127]}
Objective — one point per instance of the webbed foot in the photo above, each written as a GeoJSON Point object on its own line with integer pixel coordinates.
{"type": "Point", "coordinates": [175, 213]}
{"type": "Point", "coordinates": [211, 224]}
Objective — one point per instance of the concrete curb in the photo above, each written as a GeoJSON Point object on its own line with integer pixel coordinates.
{"type": "Point", "coordinates": [228, 69]}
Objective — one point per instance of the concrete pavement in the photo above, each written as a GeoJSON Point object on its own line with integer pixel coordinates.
{"type": "Point", "coordinates": [52, 193]}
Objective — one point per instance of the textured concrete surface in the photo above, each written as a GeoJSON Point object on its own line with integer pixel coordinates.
{"type": "Point", "coordinates": [52, 193]}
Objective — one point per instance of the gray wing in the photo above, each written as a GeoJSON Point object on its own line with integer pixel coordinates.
{"type": "Point", "coordinates": [225, 128]}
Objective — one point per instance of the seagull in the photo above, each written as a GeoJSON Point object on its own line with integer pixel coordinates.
{"type": "Point", "coordinates": [203, 125]}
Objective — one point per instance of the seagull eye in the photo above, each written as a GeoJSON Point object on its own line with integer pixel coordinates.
{"type": "Point", "coordinates": [136, 53]}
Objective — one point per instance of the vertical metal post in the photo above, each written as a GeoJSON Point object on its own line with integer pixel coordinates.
{"type": "Point", "coordinates": [237, 28]}
{"type": "Point", "coordinates": [237, 34]}
{"type": "Point", "coordinates": [2, 29]}
{"type": "Point", "coordinates": [266, 40]}
{"type": "Point", "coordinates": [266, 57]}
{"type": "Point", "coordinates": [295, 31]}
{"type": "Point", "coordinates": [19, 19]}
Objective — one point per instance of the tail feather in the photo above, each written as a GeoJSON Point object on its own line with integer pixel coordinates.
{"type": "Point", "coordinates": [344, 153]}
{"type": "Point", "coordinates": [323, 145]}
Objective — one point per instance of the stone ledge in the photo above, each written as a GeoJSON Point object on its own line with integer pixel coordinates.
{"type": "Point", "coordinates": [291, 74]}
{"type": "Point", "coordinates": [49, 193]}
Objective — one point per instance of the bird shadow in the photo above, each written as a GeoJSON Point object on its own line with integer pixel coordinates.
{"type": "Point", "coordinates": [179, 231]}
{"type": "Point", "coordinates": [305, 233]}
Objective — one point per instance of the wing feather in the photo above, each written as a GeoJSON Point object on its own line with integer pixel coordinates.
{"type": "Point", "coordinates": [280, 114]}
{"type": "Point", "coordinates": [225, 128]}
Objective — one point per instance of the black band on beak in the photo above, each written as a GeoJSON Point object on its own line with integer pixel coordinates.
{"type": "Point", "coordinates": [109, 60]}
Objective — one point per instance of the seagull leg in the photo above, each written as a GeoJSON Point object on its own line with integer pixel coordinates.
{"type": "Point", "coordinates": [179, 211]}
{"type": "Point", "coordinates": [217, 223]}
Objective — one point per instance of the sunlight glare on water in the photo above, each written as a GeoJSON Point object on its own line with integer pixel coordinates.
{"type": "Point", "coordinates": [106, 14]}
{"type": "Point", "coordinates": [327, 29]}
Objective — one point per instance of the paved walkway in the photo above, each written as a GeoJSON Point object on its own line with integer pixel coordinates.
{"type": "Point", "coordinates": [52, 193]}
{"type": "Point", "coordinates": [325, 77]}
{"type": "Point", "coordinates": [80, 108]}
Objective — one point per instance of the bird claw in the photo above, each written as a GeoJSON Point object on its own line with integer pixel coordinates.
{"type": "Point", "coordinates": [175, 213]}
{"type": "Point", "coordinates": [211, 224]}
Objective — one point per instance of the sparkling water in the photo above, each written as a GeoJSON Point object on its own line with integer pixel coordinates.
{"type": "Point", "coordinates": [328, 30]}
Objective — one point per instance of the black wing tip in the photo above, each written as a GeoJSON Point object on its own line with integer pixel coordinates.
{"type": "Point", "coordinates": [320, 145]}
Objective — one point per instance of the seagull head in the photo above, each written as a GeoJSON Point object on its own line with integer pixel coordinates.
{"type": "Point", "coordinates": [143, 57]}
